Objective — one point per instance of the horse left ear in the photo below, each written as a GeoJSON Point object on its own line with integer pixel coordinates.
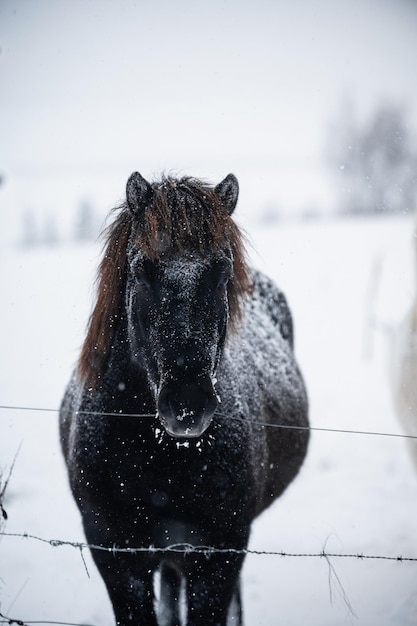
{"type": "Point", "coordinates": [228, 191]}
{"type": "Point", "coordinates": [138, 193]}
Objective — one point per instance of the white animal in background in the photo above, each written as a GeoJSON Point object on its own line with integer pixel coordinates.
{"type": "Point", "coordinates": [404, 374]}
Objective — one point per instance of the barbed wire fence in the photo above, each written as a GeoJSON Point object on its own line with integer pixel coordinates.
{"type": "Point", "coordinates": [190, 549]}
{"type": "Point", "coordinates": [207, 551]}
{"type": "Point", "coordinates": [185, 548]}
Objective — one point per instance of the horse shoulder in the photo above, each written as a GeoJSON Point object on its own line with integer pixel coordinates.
{"type": "Point", "coordinates": [66, 415]}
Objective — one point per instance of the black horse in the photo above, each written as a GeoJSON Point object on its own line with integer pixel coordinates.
{"type": "Point", "coordinates": [177, 424]}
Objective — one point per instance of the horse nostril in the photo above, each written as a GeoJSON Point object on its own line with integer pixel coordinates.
{"type": "Point", "coordinates": [165, 408]}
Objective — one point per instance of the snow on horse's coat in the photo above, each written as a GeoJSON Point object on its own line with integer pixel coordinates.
{"type": "Point", "coordinates": [185, 332]}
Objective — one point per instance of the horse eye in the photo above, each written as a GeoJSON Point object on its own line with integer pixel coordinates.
{"type": "Point", "coordinates": [142, 280]}
{"type": "Point", "coordinates": [143, 273]}
{"type": "Point", "coordinates": [223, 282]}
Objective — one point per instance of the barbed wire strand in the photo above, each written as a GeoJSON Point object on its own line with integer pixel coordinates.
{"type": "Point", "coordinates": [186, 548]}
{"type": "Point", "coordinates": [345, 431]}
{"type": "Point", "coordinates": [9, 620]}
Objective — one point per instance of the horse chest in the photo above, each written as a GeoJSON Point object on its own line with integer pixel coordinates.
{"type": "Point", "coordinates": [180, 473]}
{"type": "Point", "coordinates": [146, 476]}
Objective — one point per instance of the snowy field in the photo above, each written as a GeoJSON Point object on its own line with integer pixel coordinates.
{"type": "Point", "coordinates": [348, 283]}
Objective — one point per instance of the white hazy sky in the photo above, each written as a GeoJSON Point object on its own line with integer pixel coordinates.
{"type": "Point", "coordinates": [95, 89]}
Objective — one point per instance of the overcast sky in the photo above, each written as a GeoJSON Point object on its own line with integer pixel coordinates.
{"type": "Point", "coordinates": [91, 88]}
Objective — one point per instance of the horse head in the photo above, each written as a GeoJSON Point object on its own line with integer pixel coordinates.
{"type": "Point", "coordinates": [185, 276]}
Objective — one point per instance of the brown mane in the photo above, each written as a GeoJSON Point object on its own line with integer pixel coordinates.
{"type": "Point", "coordinates": [184, 216]}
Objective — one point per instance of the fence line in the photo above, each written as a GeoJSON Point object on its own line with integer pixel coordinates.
{"type": "Point", "coordinates": [344, 431]}
{"type": "Point", "coordinates": [187, 549]}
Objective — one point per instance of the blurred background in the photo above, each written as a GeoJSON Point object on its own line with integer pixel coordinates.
{"type": "Point", "coordinates": [311, 103]}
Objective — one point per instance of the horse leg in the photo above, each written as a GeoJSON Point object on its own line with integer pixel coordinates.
{"type": "Point", "coordinates": [211, 586]}
{"type": "Point", "coordinates": [169, 611]}
{"type": "Point", "coordinates": [129, 582]}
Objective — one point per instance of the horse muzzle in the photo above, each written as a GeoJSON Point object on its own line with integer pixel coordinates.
{"type": "Point", "coordinates": [185, 409]}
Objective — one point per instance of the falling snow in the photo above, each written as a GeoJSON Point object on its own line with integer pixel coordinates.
{"type": "Point", "coordinates": [354, 494]}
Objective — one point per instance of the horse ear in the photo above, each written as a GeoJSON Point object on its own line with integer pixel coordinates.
{"type": "Point", "coordinates": [138, 193]}
{"type": "Point", "coordinates": [228, 191]}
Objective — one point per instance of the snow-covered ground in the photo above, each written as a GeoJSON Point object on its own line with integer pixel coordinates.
{"type": "Point", "coordinates": [348, 282]}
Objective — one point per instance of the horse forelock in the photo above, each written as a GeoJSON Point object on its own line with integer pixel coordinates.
{"type": "Point", "coordinates": [185, 217]}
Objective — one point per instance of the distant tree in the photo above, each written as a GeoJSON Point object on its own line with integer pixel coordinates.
{"type": "Point", "coordinates": [376, 163]}
{"type": "Point", "coordinates": [86, 227]}
{"type": "Point", "coordinates": [29, 236]}
{"type": "Point", "coordinates": [270, 213]}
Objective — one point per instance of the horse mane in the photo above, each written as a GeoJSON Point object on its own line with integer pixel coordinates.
{"type": "Point", "coordinates": [185, 216]}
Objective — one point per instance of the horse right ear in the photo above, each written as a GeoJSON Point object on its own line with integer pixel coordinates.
{"type": "Point", "coordinates": [138, 193]}
{"type": "Point", "coordinates": [228, 191]}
